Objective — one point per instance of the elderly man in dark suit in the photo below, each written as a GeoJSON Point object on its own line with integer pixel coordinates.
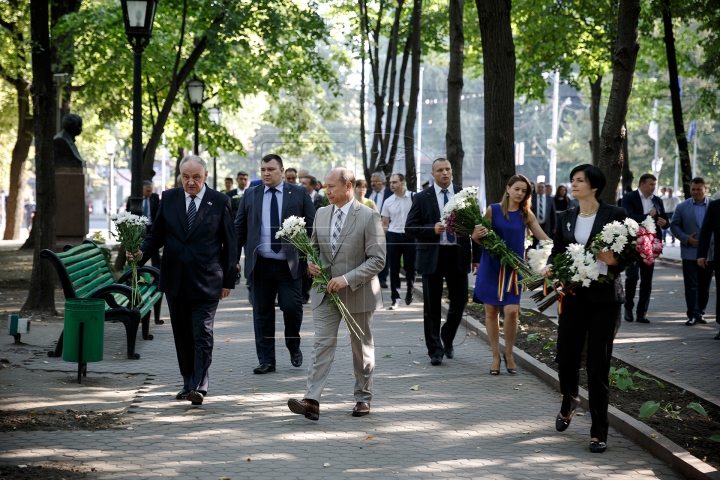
{"type": "Point", "coordinates": [441, 256]}
{"type": "Point", "coordinates": [543, 206]}
{"type": "Point", "coordinates": [272, 264]}
{"type": "Point", "coordinates": [194, 224]}
{"type": "Point", "coordinates": [638, 205]}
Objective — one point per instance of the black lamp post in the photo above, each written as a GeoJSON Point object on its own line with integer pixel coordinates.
{"type": "Point", "coordinates": [215, 114]}
{"type": "Point", "coordinates": [138, 16]}
{"type": "Point", "coordinates": [196, 97]}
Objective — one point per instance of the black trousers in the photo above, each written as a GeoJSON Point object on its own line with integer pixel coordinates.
{"type": "Point", "coordinates": [192, 325]}
{"type": "Point", "coordinates": [697, 287]}
{"type": "Point", "coordinates": [270, 279]}
{"type": "Point", "coordinates": [599, 322]}
{"type": "Point", "coordinates": [400, 245]}
{"type": "Point", "coordinates": [437, 340]}
{"type": "Point", "coordinates": [644, 273]}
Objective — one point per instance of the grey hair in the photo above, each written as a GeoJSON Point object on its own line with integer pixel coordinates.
{"type": "Point", "coordinates": [379, 175]}
{"type": "Point", "coordinates": [147, 183]}
{"type": "Point", "coordinates": [193, 158]}
{"type": "Point", "coordinates": [345, 175]}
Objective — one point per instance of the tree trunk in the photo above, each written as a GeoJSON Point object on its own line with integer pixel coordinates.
{"type": "Point", "coordinates": [499, 80]}
{"type": "Point", "coordinates": [392, 54]}
{"type": "Point", "coordinates": [627, 175]}
{"type": "Point", "coordinates": [401, 102]}
{"type": "Point", "coordinates": [41, 296]}
{"type": "Point", "coordinates": [410, 173]}
{"type": "Point", "coordinates": [677, 113]}
{"type": "Point", "coordinates": [14, 209]}
{"type": "Point", "coordinates": [62, 49]}
{"type": "Point", "coordinates": [595, 97]}
{"type": "Point", "coordinates": [363, 140]}
{"type": "Point", "coordinates": [613, 130]}
{"type": "Point", "coordinates": [453, 133]}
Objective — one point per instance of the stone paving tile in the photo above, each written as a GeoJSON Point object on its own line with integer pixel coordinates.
{"type": "Point", "coordinates": [666, 345]}
{"type": "Point", "coordinates": [461, 422]}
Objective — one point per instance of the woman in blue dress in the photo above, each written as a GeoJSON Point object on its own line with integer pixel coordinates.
{"type": "Point", "coordinates": [496, 286]}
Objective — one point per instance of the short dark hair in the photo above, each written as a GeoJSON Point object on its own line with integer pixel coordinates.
{"type": "Point", "coordinates": [242, 172]}
{"type": "Point", "coordinates": [594, 176]}
{"type": "Point", "coordinates": [645, 177]}
{"type": "Point", "coordinates": [361, 183]}
{"type": "Point", "coordinates": [229, 178]}
{"type": "Point", "coordinates": [291, 169]}
{"type": "Point", "coordinates": [698, 180]}
{"type": "Point", "coordinates": [400, 176]}
{"type": "Point", "coordinates": [311, 180]}
{"type": "Point", "coordinates": [439, 159]}
{"type": "Point", "coordinates": [270, 157]}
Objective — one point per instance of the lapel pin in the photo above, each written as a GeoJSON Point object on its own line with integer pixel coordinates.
{"type": "Point", "coordinates": [210, 203]}
{"type": "Point", "coordinates": [568, 226]}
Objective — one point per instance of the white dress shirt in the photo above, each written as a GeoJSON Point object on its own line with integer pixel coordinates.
{"type": "Point", "coordinates": [647, 203]}
{"type": "Point", "coordinates": [441, 203]}
{"type": "Point", "coordinates": [583, 228]}
{"type": "Point", "coordinates": [198, 199]}
{"type": "Point", "coordinates": [396, 209]}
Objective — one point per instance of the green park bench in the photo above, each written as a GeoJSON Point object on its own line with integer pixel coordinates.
{"type": "Point", "coordinates": [84, 273]}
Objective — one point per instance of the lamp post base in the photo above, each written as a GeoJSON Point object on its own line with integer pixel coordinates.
{"type": "Point", "coordinates": [136, 207]}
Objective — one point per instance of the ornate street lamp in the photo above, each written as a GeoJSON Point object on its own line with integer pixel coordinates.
{"type": "Point", "coordinates": [215, 115]}
{"type": "Point", "coordinates": [139, 16]}
{"type": "Point", "coordinates": [196, 97]}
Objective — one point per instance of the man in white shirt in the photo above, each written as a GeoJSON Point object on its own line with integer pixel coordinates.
{"type": "Point", "coordinates": [670, 202]}
{"type": "Point", "coordinates": [394, 213]}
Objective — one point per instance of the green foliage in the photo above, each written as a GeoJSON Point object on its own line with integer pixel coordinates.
{"type": "Point", "coordinates": [534, 337]}
{"type": "Point", "coordinates": [715, 438]}
{"type": "Point", "coordinates": [549, 345]}
{"type": "Point", "coordinates": [623, 380]}
{"type": "Point", "coordinates": [650, 408]}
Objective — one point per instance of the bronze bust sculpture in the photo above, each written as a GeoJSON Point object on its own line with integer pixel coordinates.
{"type": "Point", "coordinates": [66, 153]}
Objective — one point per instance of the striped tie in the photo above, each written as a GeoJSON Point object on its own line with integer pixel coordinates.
{"type": "Point", "coordinates": [191, 212]}
{"type": "Point", "coordinates": [336, 230]}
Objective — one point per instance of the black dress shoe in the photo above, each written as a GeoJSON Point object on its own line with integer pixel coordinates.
{"type": "Point", "coordinates": [195, 397]}
{"type": "Point", "coordinates": [264, 368]}
{"type": "Point", "coordinates": [717, 337]}
{"type": "Point", "coordinates": [642, 319]}
{"type": "Point", "coordinates": [409, 299]}
{"type": "Point", "coordinates": [383, 285]}
{"type": "Point", "coordinates": [296, 359]}
{"type": "Point", "coordinates": [561, 424]}
{"type": "Point", "coordinates": [691, 321]}
{"type": "Point", "coordinates": [436, 360]}
{"type": "Point", "coordinates": [699, 319]}
{"type": "Point", "coordinates": [182, 394]}
{"type": "Point", "coordinates": [629, 316]}
{"type": "Point", "coordinates": [306, 299]}
{"type": "Point", "coordinates": [449, 352]}
{"type": "Point", "coordinates": [597, 447]}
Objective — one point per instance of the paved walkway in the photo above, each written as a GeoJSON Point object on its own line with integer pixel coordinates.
{"type": "Point", "coordinates": [461, 422]}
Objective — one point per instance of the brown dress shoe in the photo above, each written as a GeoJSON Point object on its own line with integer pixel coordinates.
{"type": "Point", "coordinates": [309, 408]}
{"type": "Point", "coordinates": [361, 409]}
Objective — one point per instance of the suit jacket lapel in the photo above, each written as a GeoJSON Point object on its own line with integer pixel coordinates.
{"type": "Point", "coordinates": [205, 205]}
{"type": "Point", "coordinates": [182, 211]}
{"type": "Point", "coordinates": [286, 201]}
{"type": "Point", "coordinates": [602, 219]}
{"type": "Point", "coordinates": [435, 204]}
{"type": "Point", "coordinates": [259, 197]}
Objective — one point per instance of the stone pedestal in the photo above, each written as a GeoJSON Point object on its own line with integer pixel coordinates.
{"type": "Point", "coordinates": [73, 219]}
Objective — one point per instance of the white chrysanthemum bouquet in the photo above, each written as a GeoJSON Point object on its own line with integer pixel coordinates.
{"type": "Point", "coordinates": [293, 230]}
{"type": "Point", "coordinates": [462, 214]}
{"type": "Point", "coordinates": [538, 257]}
{"type": "Point", "coordinates": [130, 229]}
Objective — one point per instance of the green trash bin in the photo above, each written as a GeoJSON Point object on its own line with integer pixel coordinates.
{"type": "Point", "coordinates": [92, 313]}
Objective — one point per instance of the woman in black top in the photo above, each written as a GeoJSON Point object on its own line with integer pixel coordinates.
{"type": "Point", "coordinates": [561, 200]}
{"type": "Point", "coordinates": [593, 311]}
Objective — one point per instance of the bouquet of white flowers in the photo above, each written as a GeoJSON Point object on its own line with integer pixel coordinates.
{"type": "Point", "coordinates": [538, 257]}
{"type": "Point", "coordinates": [293, 230]}
{"type": "Point", "coordinates": [130, 229]}
{"type": "Point", "coordinates": [462, 214]}
{"type": "Point", "coordinates": [573, 268]}
{"type": "Point", "coordinates": [629, 241]}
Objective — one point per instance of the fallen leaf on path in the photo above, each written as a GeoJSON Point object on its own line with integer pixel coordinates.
{"type": "Point", "coordinates": [580, 414]}
{"type": "Point", "coordinates": [653, 435]}
{"type": "Point", "coordinates": [528, 432]}
{"type": "Point", "coordinates": [538, 451]}
{"type": "Point", "coordinates": [255, 389]}
{"type": "Point", "coordinates": [414, 387]}
{"type": "Point", "coordinates": [326, 465]}
{"type": "Point", "coordinates": [387, 356]}
{"type": "Point", "coordinates": [130, 428]}
{"type": "Point", "coordinates": [369, 437]}
{"type": "Point", "coordinates": [416, 363]}
{"type": "Point", "coordinates": [703, 358]}
{"type": "Point", "coordinates": [227, 339]}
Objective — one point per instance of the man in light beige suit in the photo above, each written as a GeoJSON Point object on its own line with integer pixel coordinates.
{"type": "Point", "coordinates": [351, 242]}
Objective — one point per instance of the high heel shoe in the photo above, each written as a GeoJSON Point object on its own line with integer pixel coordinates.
{"type": "Point", "coordinates": [495, 373]}
{"type": "Point", "coordinates": [511, 371]}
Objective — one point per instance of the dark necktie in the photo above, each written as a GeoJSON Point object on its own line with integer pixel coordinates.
{"type": "Point", "coordinates": [274, 221]}
{"type": "Point", "coordinates": [376, 200]}
{"type": "Point", "coordinates": [192, 211]}
{"type": "Point", "coordinates": [450, 236]}
{"type": "Point", "coordinates": [146, 208]}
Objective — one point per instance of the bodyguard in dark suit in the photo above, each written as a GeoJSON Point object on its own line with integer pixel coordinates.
{"type": "Point", "coordinates": [272, 264]}
{"type": "Point", "coordinates": [378, 194]}
{"type": "Point", "coordinates": [543, 206]}
{"type": "Point", "coordinates": [638, 205]}
{"type": "Point", "coordinates": [440, 256]}
{"type": "Point", "coordinates": [194, 224]}
{"type": "Point", "coordinates": [711, 229]}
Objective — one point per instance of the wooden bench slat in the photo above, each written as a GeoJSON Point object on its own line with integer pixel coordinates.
{"type": "Point", "coordinates": [89, 259]}
{"type": "Point", "coordinates": [100, 266]}
{"type": "Point", "coordinates": [76, 250]}
{"type": "Point", "coordinates": [103, 280]}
